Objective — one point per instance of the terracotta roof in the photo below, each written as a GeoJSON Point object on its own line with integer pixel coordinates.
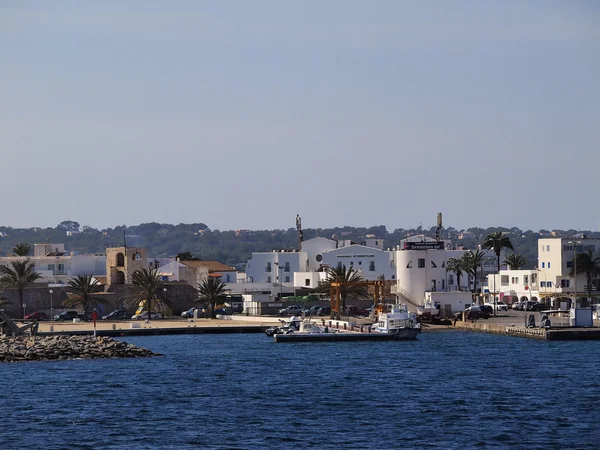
{"type": "Point", "coordinates": [212, 266]}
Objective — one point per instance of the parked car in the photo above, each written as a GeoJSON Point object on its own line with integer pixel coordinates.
{"type": "Point", "coordinates": [517, 306]}
{"type": "Point", "coordinates": [538, 307]}
{"type": "Point", "coordinates": [475, 312]}
{"type": "Point", "coordinates": [117, 314]}
{"type": "Point", "coordinates": [37, 315]}
{"type": "Point", "coordinates": [355, 311]}
{"type": "Point", "coordinates": [224, 311]}
{"type": "Point", "coordinates": [291, 310]}
{"type": "Point", "coordinates": [324, 311]}
{"type": "Point", "coordinates": [529, 305]}
{"type": "Point", "coordinates": [487, 308]}
{"type": "Point", "coordinates": [190, 312]}
{"type": "Point", "coordinates": [67, 315]}
{"type": "Point", "coordinates": [144, 316]}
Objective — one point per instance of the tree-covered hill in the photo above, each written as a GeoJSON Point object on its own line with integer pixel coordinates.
{"type": "Point", "coordinates": [235, 247]}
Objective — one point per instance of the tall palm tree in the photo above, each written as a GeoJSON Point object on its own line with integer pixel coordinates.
{"type": "Point", "coordinates": [471, 261]}
{"type": "Point", "coordinates": [22, 249]}
{"type": "Point", "coordinates": [80, 293]}
{"type": "Point", "coordinates": [211, 290]}
{"type": "Point", "coordinates": [515, 261]}
{"type": "Point", "coordinates": [149, 288]}
{"type": "Point", "coordinates": [497, 241]}
{"type": "Point", "coordinates": [455, 265]}
{"type": "Point", "coordinates": [346, 276]}
{"type": "Point", "coordinates": [18, 277]}
{"type": "Point", "coordinates": [588, 265]}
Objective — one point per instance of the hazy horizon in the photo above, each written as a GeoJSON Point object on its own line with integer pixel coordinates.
{"type": "Point", "coordinates": [242, 114]}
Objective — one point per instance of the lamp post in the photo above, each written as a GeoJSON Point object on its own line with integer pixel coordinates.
{"type": "Point", "coordinates": [575, 270]}
{"type": "Point", "coordinates": [51, 309]}
{"type": "Point", "coordinates": [164, 295]}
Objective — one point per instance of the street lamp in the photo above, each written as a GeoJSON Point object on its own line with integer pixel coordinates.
{"type": "Point", "coordinates": [575, 243]}
{"type": "Point", "coordinates": [51, 311]}
{"type": "Point", "coordinates": [164, 295]}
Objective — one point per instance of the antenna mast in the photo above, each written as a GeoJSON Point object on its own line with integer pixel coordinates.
{"type": "Point", "coordinates": [438, 230]}
{"type": "Point", "coordinates": [300, 232]}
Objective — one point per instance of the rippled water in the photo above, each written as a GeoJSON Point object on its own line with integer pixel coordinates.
{"type": "Point", "coordinates": [446, 390]}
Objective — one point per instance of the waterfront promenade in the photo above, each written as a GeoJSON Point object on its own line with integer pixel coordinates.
{"type": "Point", "coordinates": [510, 323]}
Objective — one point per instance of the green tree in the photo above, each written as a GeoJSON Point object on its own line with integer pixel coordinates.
{"type": "Point", "coordinates": [471, 261]}
{"type": "Point", "coordinates": [497, 241]}
{"type": "Point", "coordinates": [211, 291]}
{"type": "Point", "coordinates": [18, 276]}
{"type": "Point", "coordinates": [347, 289]}
{"type": "Point", "coordinates": [186, 256]}
{"type": "Point", "coordinates": [515, 261]}
{"type": "Point", "coordinates": [80, 293]}
{"type": "Point", "coordinates": [587, 265]}
{"type": "Point", "coordinates": [22, 249]}
{"type": "Point", "coordinates": [455, 265]}
{"type": "Point", "coordinates": [149, 288]}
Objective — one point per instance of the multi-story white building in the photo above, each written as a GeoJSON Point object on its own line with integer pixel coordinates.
{"type": "Point", "coordinates": [556, 258]}
{"type": "Point", "coordinates": [57, 266]}
{"type": "Point", "coordinates": [420, 266]}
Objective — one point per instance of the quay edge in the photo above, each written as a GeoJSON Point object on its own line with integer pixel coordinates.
{"type": "Point", "coordinates": [556, 334]}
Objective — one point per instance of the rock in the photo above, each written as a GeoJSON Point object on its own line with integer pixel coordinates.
{"type": "Point", "coordinates": [67, 347]}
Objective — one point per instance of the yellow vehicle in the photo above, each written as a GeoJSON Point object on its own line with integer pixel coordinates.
{"type": "Point", "coordinates": [166, 312]}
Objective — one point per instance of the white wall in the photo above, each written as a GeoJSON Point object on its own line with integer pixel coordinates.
{"type": "Point", "coordinates": [256, 269]}
{"type": "Point", "coordinates": [313, 279]}
{"type": "Point", "coordinates": [361, 257]}
{"type": "Point", "coordinates": [413, 281]}
{"type": "Point", "coordinates": [314, 248]}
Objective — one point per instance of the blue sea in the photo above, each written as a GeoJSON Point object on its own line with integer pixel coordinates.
{"type": "Point", "coordinates": [448, 390]}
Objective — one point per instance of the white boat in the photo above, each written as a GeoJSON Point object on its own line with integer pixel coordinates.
{"type": "Point", "coordinates": [398, 321]}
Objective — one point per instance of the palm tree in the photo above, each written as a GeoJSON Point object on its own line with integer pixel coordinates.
{"type": "Point", "coordinates": [455, 265]}
{"type": "Point", "coordinates": [22, 249]}
{"type": "Point", "coordinates": [471, 262]}
{"type": "Point", "coordinates": [80, 293]}
{"type": "Point", "coordinates": [515, 261]}
{"type": "Point", "coordinates": [588, 265]}
{"type": "Point", "coordinates": [211, 290]}
{"type": "Point", "coordinates": [18, 277]}
{"type": "Point", "coordinates": [149, 288]}
{"type": "Point", "coordinates": [341, 274]}
{"type": "Point", "coordinates": [497, 241]}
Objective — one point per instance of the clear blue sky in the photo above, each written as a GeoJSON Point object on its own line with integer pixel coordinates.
{"type": "Point", "coordinates": [241, 114]}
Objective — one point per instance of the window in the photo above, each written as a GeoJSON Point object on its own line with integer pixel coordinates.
{"type": "Point", "coordinates": [307, 282]}
{"type": "Point", "coordinates": [372, 266]}
{"type": "Point", "coordinates": [287, 266]}
{"type": "Point", "coordinates": [525, 280]}
{"type": "Point", "coordinates": [542, 284]}
{"type": "Point", "coordinates": [450, 279]}
{"type": "Point", "coordinates": [504, 280]}
{"type": "Point", "coordinates": [444, 264]}
{"type": "Point", "coordinates": [351, 263]}
{"type": "Point", "coordinates": [50, 266]}
{"type": "Point", "coordinates": [443, 284]}
{"type": "Point", "coordinates": [360, 263]}
{"type": "Point", "coordinates": [136, 257]}
{"type": "Point", "coordinates": [548, 264]}
{"type": "Point", "coordinates": [339, 265]}
{"type": "Point", "coordinates": [227, 278]}
{"type": "Point", "coordinates": [565, 283]}
{"type": "Point", "coordinates": [287, 279]}
{"type": "Point", "coordinates": [547, 248]}
{"type": "Point", "coordinates": [543, 248]}
{"type": "Point", "coordinates": [433, 265]}
{"type": "Point", "coordinates": [569, 263]}
{"type": "Point", "coordinates": [409, 265]}
{"type": "Point", "coordinates": [548, 283]}
{"type": "Point", "coordinates": [268, 268]}
{"type": "Point", "coordinates": [421, 263]}
{"type": "Point", "coordinates": [268, 279]}
{"type": "Point", "coordinates": [543, 265]}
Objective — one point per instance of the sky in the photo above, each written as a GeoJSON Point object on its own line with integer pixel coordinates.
{"type": "Point", "coordinates": [241, 114]}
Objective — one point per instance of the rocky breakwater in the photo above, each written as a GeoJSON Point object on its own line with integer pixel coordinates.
{"type": "Point", "coordinates": [13, 349]}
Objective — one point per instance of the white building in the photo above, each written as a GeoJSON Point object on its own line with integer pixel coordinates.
{"type": "Point", "coordinates": [193, 272]}
{"type": "Point", "coordinates": [372, 263]}
{"type": "Point", "coordinates": [556, 260]}
{"type": "Point", "coordinates": [515, 285]}
{"type": "Point", "coordinates": [421, 267]}
{"type": "Point", "coordinates": [57, 266]}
